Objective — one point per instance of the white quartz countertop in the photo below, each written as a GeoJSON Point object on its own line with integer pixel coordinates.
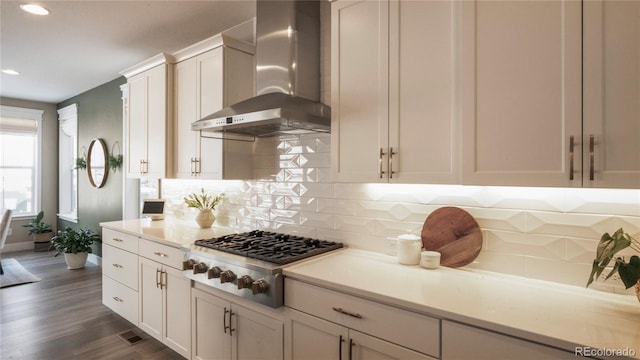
{"type": "Point", "coordinates": [171, 232]}
{"type": "Point", "coordinates": [558, 315]}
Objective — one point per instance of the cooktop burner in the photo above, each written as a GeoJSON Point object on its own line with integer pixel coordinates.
{"type": "Point", "coordinates": [270, 246]}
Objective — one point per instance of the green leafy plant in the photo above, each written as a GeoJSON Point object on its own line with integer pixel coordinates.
{"type": "Point", "coordinates": [81, 163]}
{"type": "Point", "coordinates": [115, 162]}
{"type": "Point", "coordinates": [608, 246]}
{"type": "Point", "coordinates": [37, 226]}
{"type": "Point", "coordinates": [203, 201]}
{"type": "Point", "coordinates": [74, 241]}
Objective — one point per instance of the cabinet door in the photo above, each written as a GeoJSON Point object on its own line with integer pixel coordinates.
{"type": "Point", "coordinates": [188, 141]}
{"type": "Point", "coordinates": [157, 123]}
{"type": "Point", "coordinates": [177, 311]}
{"type": "Point", "coordinates": [359, 90]}
{"type": "Point", "coordinates": [136, 141]}
{"type": "Point", "coordinates": [521, 92]}
{"type": "Point", "coordinates": [611, 93]}
{"type": "Point", "coordinates": [423, 128]}
{"type": "Point", "coordinates": [255, 336]}
{"type": "Point", "coordinates": [150, 294]}
{"type": "Point", "coordinates": [461, 342]}
{"type": "Point", "coordinates": [210, 337]}
{"type": "Point", "coordinates": [210, 99]}
{"type": "Point", "coordinates": [365, 347]}
{"type": "Point", "coordinates": [311, 338]}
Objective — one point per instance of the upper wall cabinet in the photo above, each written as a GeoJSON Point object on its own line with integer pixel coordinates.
{"type": "Point", "coordinates": [216, 77]}
{"type": "Point", "coordinates": [521, 93]}
{"type": "Point", "coordinates": [611, 135]}
{"type": "Point", "coordinates": [393, 91]}
{"type": "Point", "coordinates": [147, 142]}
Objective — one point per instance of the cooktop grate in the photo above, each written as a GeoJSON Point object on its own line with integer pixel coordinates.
{"type": "Point", "coordinates": [268, 246]}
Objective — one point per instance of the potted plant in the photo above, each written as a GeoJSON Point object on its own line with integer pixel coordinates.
{"type": "Point", "coordinates": [206, 204]}
{"type": "Point", "coordinates": [608, 246]}
{"type": "Point", "coordinates": [40, 232]}
{"type": "Point", "coordinates": [75, 245]}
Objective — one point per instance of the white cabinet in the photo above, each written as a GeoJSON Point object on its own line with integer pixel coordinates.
{"type": "Point", "coordinates": [521, 93]}
{"type": "Point", "coordinates": [165, 297]}
{"type": "Point", "coordinates": [462, 342]}
{"type": "Point", "coordinates": [205, 84]}
{"type": "Point", "coordinates": [354, 327]}
{"type": "Point", "coordinates": [147, 139]}
{"type": "Point", "coordinates": [308, 337]}
{"type": "Point", "coordinates": [120, 274]}
{"type": "Point", "coordinates": [393, 91]}
{"type": "Point", "coordinates": [227, 330]}
{"type": "Point", "coordinates": [611, 136]}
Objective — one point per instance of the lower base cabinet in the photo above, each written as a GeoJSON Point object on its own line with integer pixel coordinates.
{"type": "Point", "coordinates": [462, 342]}
{"type": "Point", "coordinates": [310, 338]}
{"type": "Point", "coordinates": [164, 305]}
{"type": "Point", "coordinates": [225, 330]}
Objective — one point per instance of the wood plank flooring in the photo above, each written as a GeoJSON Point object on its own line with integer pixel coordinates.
{"type": "Point", "coordinates": [62, 316]}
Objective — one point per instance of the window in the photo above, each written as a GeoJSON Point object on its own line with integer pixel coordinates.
{"type": "Point", "coordinates": [20, 138]}
{"type": "Point", "coordinates": [67, 171]}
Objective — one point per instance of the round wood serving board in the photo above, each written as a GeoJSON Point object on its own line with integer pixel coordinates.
{"type": "Point", "coordinates": [454, 233]}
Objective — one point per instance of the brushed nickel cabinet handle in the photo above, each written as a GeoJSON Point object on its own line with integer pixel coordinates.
{"type": "Point", "coordinates": [351, 345]}
{"type": "Point", "coordinates": [231, 330]}
{"type": "Point", "coordinates": [117, 266]}
{"type": "Point", "coordinates": [340, 341]}
{"type": "Point", "coordinates": [380, 162]}
{"type": "Point", "coordinates": [342, 311]}
{"type": "Point", "coordinates": [197, 165]}
{"type": "Point", "coordinates": [158, 280]}
{"type": "Point", "coordinates": [591, 157]}
{"type": "Point", "coordinates": [224, 320]}
{"type": "Point", "coordinates": [157, 253]}
{"type": "Point", "coordinates": [391, 172]}
{"type": "Point", "coordinates": [571, 156]}
{"type": "Point", "coordinates": [117, 299]}
{"type": "Point", "coordinates": [118, 240]}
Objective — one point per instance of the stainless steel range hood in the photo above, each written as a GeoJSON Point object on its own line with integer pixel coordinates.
{"type": "Point", "coordinates": [288, 76]}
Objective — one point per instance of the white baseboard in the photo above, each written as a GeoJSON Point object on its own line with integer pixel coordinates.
{"type": "Point", "coordinates": [21, 246]}
{"type": "Point", "coordinates": [94, 259]}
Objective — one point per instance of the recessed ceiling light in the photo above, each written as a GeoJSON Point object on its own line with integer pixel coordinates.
{"type": "Point", "coordinates": [34, 9]}
{"type": "Point", "coordinates": [10, 72]}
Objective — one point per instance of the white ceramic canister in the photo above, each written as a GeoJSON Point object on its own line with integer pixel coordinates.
{"type": "Point", "coordinates": [409, 247]}
{"type": "Point", "coordinates": [430, 259]}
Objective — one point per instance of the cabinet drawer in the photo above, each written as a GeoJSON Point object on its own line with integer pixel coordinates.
{"type": "Point", "coordinates": [406, 328]}
{"type": "Point", "coordinates": [120, 265]}
{"type": "Point", "coordinates": [120, 299]}
{"type": "Point", "coordinates": [120, 240]}
{"type": "Point", "coordinates": [162, 253]}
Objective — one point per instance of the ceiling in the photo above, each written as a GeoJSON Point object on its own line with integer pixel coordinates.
{"type": "Point", "coordinates": [83, 44]}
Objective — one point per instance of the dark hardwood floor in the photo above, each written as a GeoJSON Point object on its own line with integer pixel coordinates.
{"type": "Point", "coordinates": [62, 316]}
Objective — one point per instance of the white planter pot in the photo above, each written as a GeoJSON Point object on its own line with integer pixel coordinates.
{"type": "Point", "coordinates": [75, 261]}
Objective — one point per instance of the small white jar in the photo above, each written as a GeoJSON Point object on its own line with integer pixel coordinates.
{"type": "Point", "coordinates": [409, 247]}
{"type": "Point", "coordinates": [430, 259]}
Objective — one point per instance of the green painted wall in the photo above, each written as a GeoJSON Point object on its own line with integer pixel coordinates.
{"type": "Point", "coordinates": [99, 116]}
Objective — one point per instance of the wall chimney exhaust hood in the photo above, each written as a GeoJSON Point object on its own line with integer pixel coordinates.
{"type": "Point", "coordinates": [288, 76]}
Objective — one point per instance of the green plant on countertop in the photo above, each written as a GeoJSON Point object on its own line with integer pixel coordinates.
{"type": "Point", "coordinates": [203, 201]}
{"type": "Point", "coordinates": [37, 226]}
{"type": "Point", "coordinates": [608, 246]}
{"type": "Point", "coordinates": [72, 241]}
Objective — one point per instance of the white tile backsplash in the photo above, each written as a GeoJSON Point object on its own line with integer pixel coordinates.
{"type": "Point", "coordinates": [541, 233]}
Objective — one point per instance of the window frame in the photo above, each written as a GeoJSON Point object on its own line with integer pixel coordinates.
{"type": "Point", "coordinates": [37, 116]}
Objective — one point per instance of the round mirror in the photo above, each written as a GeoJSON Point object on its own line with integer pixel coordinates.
{"type": "Point", "coordinates": [97, 163]}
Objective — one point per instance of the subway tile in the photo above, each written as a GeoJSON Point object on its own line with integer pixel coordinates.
{"type": "Point", "coordinates": [336, 206]}
{"type": "Point", "coordinates": [317, 220]}
{"type": "Point", "coordinates": [499, 219]}
{"type": "Point", "coordinates": [542, 246]}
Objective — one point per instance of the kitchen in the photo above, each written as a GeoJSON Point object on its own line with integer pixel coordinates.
{"type": "Point", "coordinates": [539, 233]}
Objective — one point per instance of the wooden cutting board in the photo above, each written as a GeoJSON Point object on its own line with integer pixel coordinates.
{"type": "Point", "coordinates": [454, 233]}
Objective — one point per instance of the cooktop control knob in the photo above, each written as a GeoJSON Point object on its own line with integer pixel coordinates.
{"type": "Point", "coordinates": [214, 272]}
{"type": "Point", "coordinates": [227, 276]}
{"type": "Point", "coordinates": [200, 268]}
{"type": "Point", "coordinates": [245, 282]}
{"type": "Point", "coordinates": [259, 287]}
{"type": "Point", "coordinates": [188, 264]}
